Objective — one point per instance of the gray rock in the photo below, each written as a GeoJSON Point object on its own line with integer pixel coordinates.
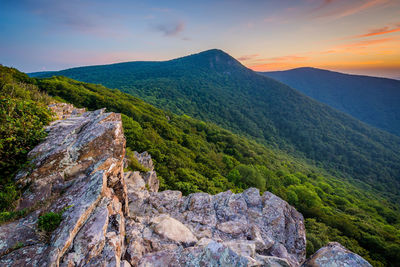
{"type": "Point", "coordinates": [64, 110]}
{"type": "Point", "coordinates": [173, 229]}
{"type": "Point", "coordinates": [250, 225]}
{"type": "Point", "coordinates": [80, 166]}
{"type": "Point", "coordinates": [145, 160]}
{"type": "Point", "coordinates": [213, 254]}
{"type": "Point", "coordinates": [334, 254]}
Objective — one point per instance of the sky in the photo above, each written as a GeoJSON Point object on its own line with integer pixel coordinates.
{"type": "Point", "coordinates": [352, 36]}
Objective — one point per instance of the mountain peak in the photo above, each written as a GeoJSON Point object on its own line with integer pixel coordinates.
{"type": "Point", "coordinates": [214, 58]}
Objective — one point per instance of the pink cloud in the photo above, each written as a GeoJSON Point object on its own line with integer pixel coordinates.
{"type": "Point", "coordinates": [345, 10]}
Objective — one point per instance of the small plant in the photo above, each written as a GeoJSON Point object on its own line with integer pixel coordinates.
{"type": "Point", "coordinates": [133, 163]}
{"type": "Point", "coordinates": [17, 245]}
{"type": "Point", "coordinates": [6, 216]}
{"type": "Point", "coordinates": [49, 221]}
{"type": "Point", "coordinates": [8, 194]}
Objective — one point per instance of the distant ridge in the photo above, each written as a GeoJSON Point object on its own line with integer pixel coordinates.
{"type": "Point", "coordinates": [373, 100]}
{"type": "Point", "coordinates": [215, 87]}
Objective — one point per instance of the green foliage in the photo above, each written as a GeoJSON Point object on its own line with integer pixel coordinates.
{"type": "Point", "coordinates": [370, 99]}
{"type": "Point", "coordinates": [6, 216]}
{"type": "Point", "coordinates": [212, 86]}
{"type": "Point", "coordinates": [7, 196]}
{"type": "Point", "coordinates": [23, 115]}
{"type": "Point", "coordinates": [21, 128]}
{"type": "Point", "coordinates": [133, 163]}
{"type": "Point", "coordinates": [49, 221]}
{"type": "Point", "coordinates": [193, 156]}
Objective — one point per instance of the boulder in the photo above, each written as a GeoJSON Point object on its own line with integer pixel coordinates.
{"type": "Point", "coordinates": [251, 226]}
{"type": "Point", "coordinates": [173, 229]}
{"type": "Point", "coordinates": [334, 254]}
{"type": "Point", "coordinates": [213, 254]}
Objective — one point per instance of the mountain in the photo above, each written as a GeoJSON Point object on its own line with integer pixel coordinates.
{"type": "Point", "coordinates": [370, 99]}
{"type": "Point", "coordinates": [190, 156]}
{"type": "Point", "coordinates": [214, 87]}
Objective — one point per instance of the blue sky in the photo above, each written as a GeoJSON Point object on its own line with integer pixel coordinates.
{"type": "Point", "coordinates": [356, 36]}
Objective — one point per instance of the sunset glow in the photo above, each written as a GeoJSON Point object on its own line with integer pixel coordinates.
{"type": "Point", "coordinates": [358, 36]}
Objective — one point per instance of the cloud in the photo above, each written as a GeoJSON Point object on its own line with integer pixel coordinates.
{"type": "Point", "coordinates": [247, 57]}
{"type": "Point", "coordinates": [364, 44]}
{"type": "Point", "coordinates": [277, 63]}
{"type": "Point", "coordinates": [327, 52]}
{"type": "Point", "coordinates": [288, 58]}
{"type": "Point", "coordinates": [325, 3]}
{"type": "Point", "coordinates": [380, 31]}
{"type": "Point", "coordinates": [66, 13]}
{"type": "Point", "coordinates": [270, 66]}
{"type": "Point", "coordinates": [170, 29]}
{"type": "Point", "coordinates": [254, 58]}
{"type": "Point", "coordinates": [344, 10]}
{"type": "Point", "coordinates": [86, 17]}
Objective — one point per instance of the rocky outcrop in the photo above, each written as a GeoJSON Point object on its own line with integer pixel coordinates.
{"type": "Point", "coordinates": [78, 167]}
{"type": "Point", "coordinates": [167, 228]}
{"type": "Point", "coordinates": [113, 218]}
{"type": "Point", "coordinates": [63, 110]}
{"type": "Point", "coordinates": [335, 254]}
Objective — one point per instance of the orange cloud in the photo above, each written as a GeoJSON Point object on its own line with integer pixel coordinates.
{"type": "Point", "coordinates": [380, 31]}
{"type": "Point", "coordinates": [365, 44]}
{"type": "Point", "coordinates": [269, 66]}
{"type": "Point", "coordinates": [287, 58]}
{"type": "Point", "coordinates": [278, 63]}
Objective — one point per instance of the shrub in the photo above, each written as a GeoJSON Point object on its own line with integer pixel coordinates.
{"type": "Point", "coordinates": [7, 196]}
{"type": "Point", "coordinates": [49, 221]}
{"type": "Point", "coordinates": [21, 129]}
{"type": "Point", "coordinates": [6, 216]}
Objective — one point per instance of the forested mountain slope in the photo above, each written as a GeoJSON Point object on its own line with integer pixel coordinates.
{"type": "Point", "coordinates": [213, 86]}
{"type": "Point", "coordinates": [192, 156]}
{"type": "Point", "coordinates": [373, 100]}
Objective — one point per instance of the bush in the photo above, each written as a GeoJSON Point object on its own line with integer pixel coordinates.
{"type": "Point", "coordinates": [21, 129]}
{"type": "Point", "coordinates": [8, 194]}
{"type": "Point", "coordinates": [6, 216]}
{"type": "Point", "coordinates": [48, 222]}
